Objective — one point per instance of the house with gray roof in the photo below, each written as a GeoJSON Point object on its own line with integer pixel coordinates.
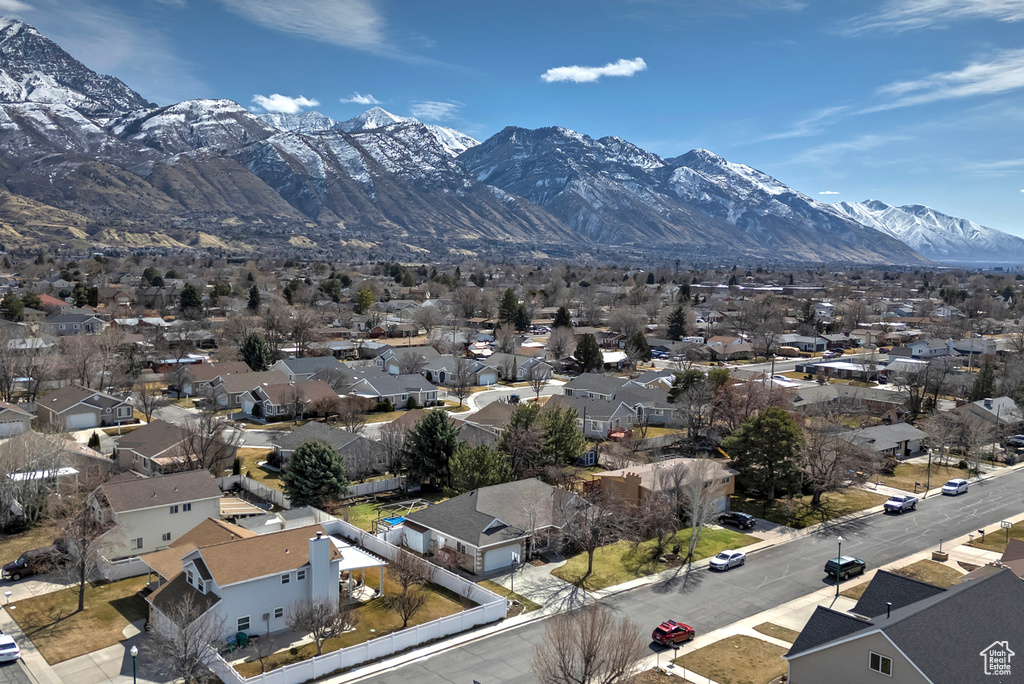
{"type": "Point", "coordinates": [490, 528]}
{"type": "Point", "coordinates": [649, 403]}
{"type": "Point", "coordinates": [79, 408]}
{"type": "Point", "coordinates": [362, 456]}
{"type": "Point", "coordinates": [898, 440]}
{"type": "Point", "coordinates": [305, 368]}
{"type": "Point", "coordinates": [596, 417]}
{"type": "Point", "coordinates": [966, 633]}
{"type": "Point", "coordinates": [1000, 412]}
{"type": "Point", "coordinates": [378, 385]}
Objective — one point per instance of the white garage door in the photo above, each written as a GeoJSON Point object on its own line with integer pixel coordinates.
{"type": "Point", "coordinates": [498, 559]}
{"type": "Point", "coordinates": [80, 421]}
{"type": "Point", "coordinates": [11, 429]}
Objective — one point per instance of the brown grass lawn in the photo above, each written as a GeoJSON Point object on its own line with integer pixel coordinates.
{"type": "Point", "coordinates": [797, 512]}
{"type": "Point", "coordinates": [738, 659]}
{"type": "Point", "coordinates": [932, 572]}
{"type": "Point", "coordinates": [251, 456]}
{"type": "Point", "coordinates": [909, 473]}
{"type": "Point", "coordinates": [60, 633]}
{"type": "Point", "coordinates": [13, 545]}
{"type": "Point", "coordinates": [995, 537]}
{"type": "Point", "coordinates": [778, 631]}
{"type": "Point", "coordinates": [374, 615]}
{"type": "Point", "coordinates": [654, 676]}
{"type": "Point", "coordinates": [528, 605]}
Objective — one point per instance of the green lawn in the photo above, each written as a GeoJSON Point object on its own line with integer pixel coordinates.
{"type": "Point", "coordinates": [360, 515]}
{"type": "Point", "coordinates": [624, 561]}
{"type": "Point", "coordinates": [909, 473]}
{"type": "Point", "coordinates": [60, 633]}
{"type": "Point", "coordinates": [528, 605]}
{"type": "Point", "coordinates": [995, 537]}
{"type": "Point", "coordinates": [375, 619]}
{"type": "Point", "coordinates": [797, 512]}
{"type": "Point", "coordinates": [738, 659]}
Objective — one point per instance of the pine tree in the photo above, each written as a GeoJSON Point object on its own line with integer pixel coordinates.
{"type": "Point", "coordinates": [684, 293]}
{"type": "Point", "coordinates": [314, 475]}
{"type": "Point", "coordinates": [677, 323]}
{"type": "Point", "coordinates": [11, 307]}
{"type": "Point", "coordinates": [254, 300]}
{"type": "Point", "coordinates": [475, 467]}
{"type": "Point", "coordinates": [429, 446]}
{"type": "Point", "coordinates": [364, 300]}
{"type": "Point", "coordinates": [255, 351]}
{"type": "Point", "coordinates": [564, 444]}
{"type": "Point", "coordinates": [637, 349]}
{"type": "Point", "coordinates": [509, 307]}
{"type": "Point", "coordinates": [522, 318]}
{"type": "Point", "coordinates": [984, 384]}
{"type": "Point", "coordinates": [191, 300]}
{"type": "Point", "coordinates": [588, 354]}
{"type": "Point", "coordinates": [562, 318]}
{"type": "Point", "coordinates": [765, 450]}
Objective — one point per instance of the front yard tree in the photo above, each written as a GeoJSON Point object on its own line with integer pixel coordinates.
{"type": "Point", "coordinates": [429, 446]}
{"type": "Point", "coordinates": [191, 301]}
{"type": "Point", "coordinates": [522, 439]}
{"type": "Point", "coordinates": [184, 647]}
{"type": "Point", "coordinates": [412, 574]}
{"type": "Point", "coordinates": [475, 467]}
{"type": "Point", "coordinates": [827, 460]}
{"type": "Point", "coordinates": [148, 398]}
{"type": "Point", "coordinates": [72, 510]}
{"type": "Point", "coordinates": [588, 354]}
{"type": "Point", "coordinates": [984, 384]}
{"type": "Point", "coordinates": [562, 318]}
{"type": "Point", "coordinates": [322, 619]}
{"type": "Point", "coordinates": [255, 351]}
{"type": "Point", "coordinates": [210, 443]}
{"type": "Point", "coordinates": [589, 646]}
{"type": "Point", "coordinates": [538, 376]}
{"type": "Point", "coordinates": [765, 451]}
{"type": "Point", "coordinates": [677, 323]}
{"type": "Point", "coordinates": [564, 443]}
{"type": "Point", "coordinates": [462, 380]}
{"type": "Point", "coordinates": [314, 475]}
{"type": "Point", "coordinates": [637, 349]}
{"type": "Point", "coordinates": [254, 300]}
{"type": "Point", "coordinates": [508, 308]}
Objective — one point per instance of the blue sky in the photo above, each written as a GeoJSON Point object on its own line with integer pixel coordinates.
{"type": "Point", "coordinates": [906, 101]}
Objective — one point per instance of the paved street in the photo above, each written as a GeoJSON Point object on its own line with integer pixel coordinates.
{"type": "Point", "coordinates": [14, 673]}
{"type": "Point", "coordinates": [771, 577]}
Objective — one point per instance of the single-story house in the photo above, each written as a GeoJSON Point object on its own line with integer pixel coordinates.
{"type": "Point", "coordinates": [279, 400]}
{"type": "Point", "coordinates": [898, 440]}
{"type": "Point", "coordinates": [231, 390]}
{"type": "Point", "coordinates": [361, 456]}
{"type": "Point", "coordinates": [13, 420]}
{"type": "Point", "coordinates": [79, 408]}
{"type": "Point", "coordinates": [195, 379]}
{"type": "Point", "coordinates": [304, 368]}
{"type": "Point", "coordinates": [634, 484]}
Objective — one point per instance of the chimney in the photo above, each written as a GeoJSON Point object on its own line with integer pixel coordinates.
{"type": "Point", "coordinates": [888, 608]}
{"type": "Point", "coordinates": [321, 583]}
{"type": "Point", "coordinates": [988, 402]}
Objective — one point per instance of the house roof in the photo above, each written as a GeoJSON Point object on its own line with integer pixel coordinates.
{"type": "Point", "coordinates": [495, 415]}
{"type": "Point", "coordinates": [63, 399]}
{"type": "Point", "coordinates": [388, 385]}
{"type": "Point", "coordinates": [896, 589]}
{"type": "Point", "coordinates": [167, 562]}
{"type": "Point", "coordinates": [205, 372]}
{"type": "Point", "coordinates": [305, 390]}
{"type": "Point", "coordinates": [596, 383]}
{"type": "Point", "coordinates": [171, 593]}
{"type": "Point", "coordinates": [313, 431]}
{"type": "Point", "coordinates": [589, 409]}
{"type": "Point", "coordinates": [884, 437]}
{"type": "Point", "coordinates": [822, 393]}
{"type": "Point", "coordinates": [650, 473]}
{"type": "Point", "coordinates": [311, 364]}
{"type": "Point", "coordinates": [264, 554]}
{"type": "Point", "coordinates": [4, 406]}
{"type": "Point", "coordinates": [160, 491]}
{"type": "Point", "coordinates": [490, 515]}
{"type": "Point", "coordinates": [244, 382]}
{"type": "Point", "coordinates": [153, 438]}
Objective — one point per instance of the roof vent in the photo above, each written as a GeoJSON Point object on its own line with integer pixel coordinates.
{"type": "Point", "coordinates": [319, 534]}
{"type": "Point", "coordinates": [888, 608]}
{"type": "Point", "coordinates": [287, 551]}
{"type": "Point", "coordinates": [988, 402]}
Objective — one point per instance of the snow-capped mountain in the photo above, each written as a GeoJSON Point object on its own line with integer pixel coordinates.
{"type": "Point", "coordinates": [936, 235]}
{"type": "Point", "coordinates": [372, 118]}
{"type": "Point", "coordinates": [306, 122]}
{"type": "Point", "coordinates": [192, 124]}
{"type": "Point", "coordinates": [35, 69]}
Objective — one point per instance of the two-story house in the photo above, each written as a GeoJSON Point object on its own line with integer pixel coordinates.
{"type": "Point", "coordinates": [160, 447]}
{"type": "Point", "coordinates": [79, 408]}
{"type": "Point", "coordinates": [150, 513]}
{"type": "Point", "coordinates": [231, 390]}
{"type": "Point", "coordinates": [195, 379]}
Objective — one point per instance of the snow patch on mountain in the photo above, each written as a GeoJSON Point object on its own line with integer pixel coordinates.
{"type": "Point", "coordinates": [306, 122]}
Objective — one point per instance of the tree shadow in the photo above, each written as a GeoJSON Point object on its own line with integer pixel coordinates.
{"type": "Point", "coordinates": [683, 579]}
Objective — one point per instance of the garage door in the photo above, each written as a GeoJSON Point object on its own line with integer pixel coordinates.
{"type": "Point", "coordinates": [498, 559]}
{"type": "Point", "coordinates": [80, 421]}
{"type": "Point", "coordinates": [11, 429]}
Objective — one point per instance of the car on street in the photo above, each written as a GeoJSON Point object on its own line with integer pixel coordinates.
{"type": "Point", "coordinates": [31, 562]}
{"type": "Point", "coordinates": [830, 355]}
{"type": "Point", "coordinates": [9, 651]}
{"type": "Point", "coordinates": [744, 521]}
{"type": "Point", "coordinates": [727, 560]}
{"type": "Point", "coordinates": [671, 632]}
{"type": "Point", "coordinates": [883, 350]}
{"type": "Point", "coordinates": [845, 566]}
{"type": "Point", "coordinates": [955, 487]}
{"type": "Point", "coordinates": [898, 503]}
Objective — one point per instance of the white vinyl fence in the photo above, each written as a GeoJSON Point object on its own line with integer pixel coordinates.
{"type": "Point", "coordinates": [122, 568]}
{"type": "Point", "coordinates": [376, 487]}
{"type": "Point", "coordinates": [255, 487]}
{"type": "Point", "coordinates": [491, 609]}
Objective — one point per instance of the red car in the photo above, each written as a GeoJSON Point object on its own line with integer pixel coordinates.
{"type": "Point", "coordinates": [671, 632]}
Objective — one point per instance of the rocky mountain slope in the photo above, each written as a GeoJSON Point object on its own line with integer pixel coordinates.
{"type": "Point", "coordinates": [936, 235]}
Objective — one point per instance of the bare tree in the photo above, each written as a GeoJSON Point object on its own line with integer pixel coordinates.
{"type": "Point", "coordinates": [148, 398]}
{"type": "Point", "coordinates": [323, 619]}
{"type": "Point", "coordinates": [108, 344]}
{"type": "Point", "coordinates": [627, 321]}
{"type": "Point", "coordinates": [352, 412]}
{"type": "Point", "coordinates": [589, 646]}
{"type": "Point", "coordinates": [412, 574]}
{"type": "Point", "coordinates": [184, 644]}
{"type": "Point", "coordinates": [827, 459]}
{"type": "Point", "coordinates": [429, 317]}
{"type": "Point", "coordinates": [590, 524]}
{"type": "Point", "coordinates": [28, 466]}
{"type": "Point", "coordinates": [392, 442]}
{"type": "Point", "coordinates": [304, 329]}
{"type": "Point", "coordinates": [80, 357]}
{"type": "Point", "coordinates": [539, 376]}
{"type": "Point", "coordinates": [210, 443]}
{"type": "Point", "coordinates": [699, 491]}
{"type": "Point", "coordinates": [561, 343]}
{"type": "Point", "coordinates": [411, 362]}
{"type": "Point", "coordinates": [505, 339]}
{"type": "Point", "coordinates": [84, 531]}
{"type": "Point", "coordinates": [463, 379]}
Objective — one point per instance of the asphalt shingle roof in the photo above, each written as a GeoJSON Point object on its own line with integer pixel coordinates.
{"type": "Point", "coordinates": [160, 491]}
{"type": "Point", "coordinates": [896, 589]}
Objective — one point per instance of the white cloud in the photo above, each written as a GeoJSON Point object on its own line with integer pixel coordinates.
{"type": "Point", "coordinates": [906, 15]}
{"type": "Point", "coordinates": [828, 192]}
{"type": "Point", "coordinates": [348, 23]}
{"type": "Point", "coordinates": [833, 151]}
{"type": "Point", "coordinates": [583, 74]}
{"type": "Point", "coordinates": [111, 42]}
{"type": "Point", "coordinates": [811, 125]}
{"type": "Point", "coordinates": [1002, 73]}
{"type": "Point", "coordinates": [358, 98]}
{"type": "Point", "coordinates": [435, 110]}
{"type": "Point", "coordinates": [283, 103]}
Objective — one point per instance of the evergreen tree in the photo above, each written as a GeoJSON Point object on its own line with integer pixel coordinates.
{"type": "Point", "coordinates": [254, 300]}
{"type": "Point", "coordinates": [588, 354]}
{"type": "Point", "coordinates": [255, 351]}
{"type": "Point", "coordinates": [12, 308]}
{"type": "Point", "coordinates": [522, 440]}
{"type": "Point", "coordinates": [564, 444]}
{"type": "Point", "coordinates": [983, 387]}
{"type": "Point", "coordinates": [650, 278]}
{"type": "Point", "coordinates": [562, 318]}
{"type": "Point", "coordinates": [677, 323]}
{"type": "Point", "coordinates": [364, 300]}
{"type": "Point", "coordinates": [637, 349]}
{"type": "Point", "coordinates": [522, 318]}
{"type": "Point", "coordinates": [94, 441]}
{"type": "Point", "coordinates": [93, 296]}
{"type": "Point", "coordinates": [732, 280]}
{"type": "Point", "coordinates": [684, 293]}
{"type": "Point", "coordinates": [32, 301]}
{"type": "Point", "coordinates": [191, 300]}
{"type": "Point", "coordinates": [765, 451]}
{"type": "Point", "coordinates": [475, 467]}
{"type": "Point", "coordinates": [509, 307]}
{"type": "Point", "coordinates": [429, 446]}
{"type": "Point", "coordinates": [314, 475]}
{"type": "Point", "coordinates": [81, 295]}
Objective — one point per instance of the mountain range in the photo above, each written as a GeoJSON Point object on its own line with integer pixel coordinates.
{"type": "Point", "coordinates": [85, 158]}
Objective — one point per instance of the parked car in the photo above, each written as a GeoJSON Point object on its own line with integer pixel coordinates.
{"type": "Point", "coordinates": [955, 487]}
{"type": "Point", "coordinates": [883, 350]}
{"type": "Point", "coordinates": [898, 503]}
{"type": "Point", "coordinates": [1015, 441]}
{"type": "Point", "coordinates": [9, 651]}
{"type": "Point", "coordinates": [727, 560]}
{"type": "Point", "coordinates": [671, 632]}
{"type": "Point", "coordinates": [830, 355]}
{"type": "Point", "coordinates": [845, 566]}
{"type": "Point", "coordinates": [31, 562]}
{"type": "Point", "coordinates": [744, 521]}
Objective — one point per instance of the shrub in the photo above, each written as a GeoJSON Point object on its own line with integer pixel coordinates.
{"type": "Point", "coordinates": [411, 404]}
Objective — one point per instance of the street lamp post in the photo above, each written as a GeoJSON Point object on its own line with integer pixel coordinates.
{"type": "Point", "coordinates": [839, 562]}
{"type": "Point", "coordinates": [134, 652]}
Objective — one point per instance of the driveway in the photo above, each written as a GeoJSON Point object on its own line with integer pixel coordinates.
{"type": "Point", "coordinates": [478, 400]}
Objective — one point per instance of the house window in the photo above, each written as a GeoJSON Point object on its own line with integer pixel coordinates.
{"type": "Point", "coordinates": [725, 480]}
{"type": "Point", "coordinates": [186, 507]}
{"type": "Point", "coordinates": [278, 613]}
{"type": "Point", "coordinates": [300, 575]}
{"type": "Point", "coordinates": [137, 544]}
{"type": "Point", "coordinates": [189, 577]}
{"type": "Point", "coordinates": [166, 537]}
{"type": "Point", "coordinates": [243, 623]}
{"type": "Point", "coordinates": [174, 509]}
{"type": "Point", "coordinates": [286, 578]}
{"type": "Point", "coordinates": [460, 547]}
{"type": "Point", "coordinates": [880, 663]}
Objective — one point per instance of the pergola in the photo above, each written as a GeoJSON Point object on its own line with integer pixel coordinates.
{"type": "Point", "coordinates": [354, 558]}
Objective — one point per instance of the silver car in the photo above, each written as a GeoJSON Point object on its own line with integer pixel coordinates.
{"type": "Point", "coordinates": [728, 559]}
{"type": "Point", "coordinates": [955, 487]}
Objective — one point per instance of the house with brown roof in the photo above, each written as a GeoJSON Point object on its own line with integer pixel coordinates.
{"type": "Point", "coordinates": [149, 513]}
{"type": "Point", "coordinates": [13, 420]}
{"type": "Point", "coordinates": [284, 400]}
{"type": "Point", "coordinates": [230, 390]}
{"type": "Point", "coordinates": [634, 484]}
{"type": "Point", "coordinates": [79, 408]}
{"type": "Point", "coordinates": [196, 378]}
{"type": "Point", "coordinates": [159, 447]}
